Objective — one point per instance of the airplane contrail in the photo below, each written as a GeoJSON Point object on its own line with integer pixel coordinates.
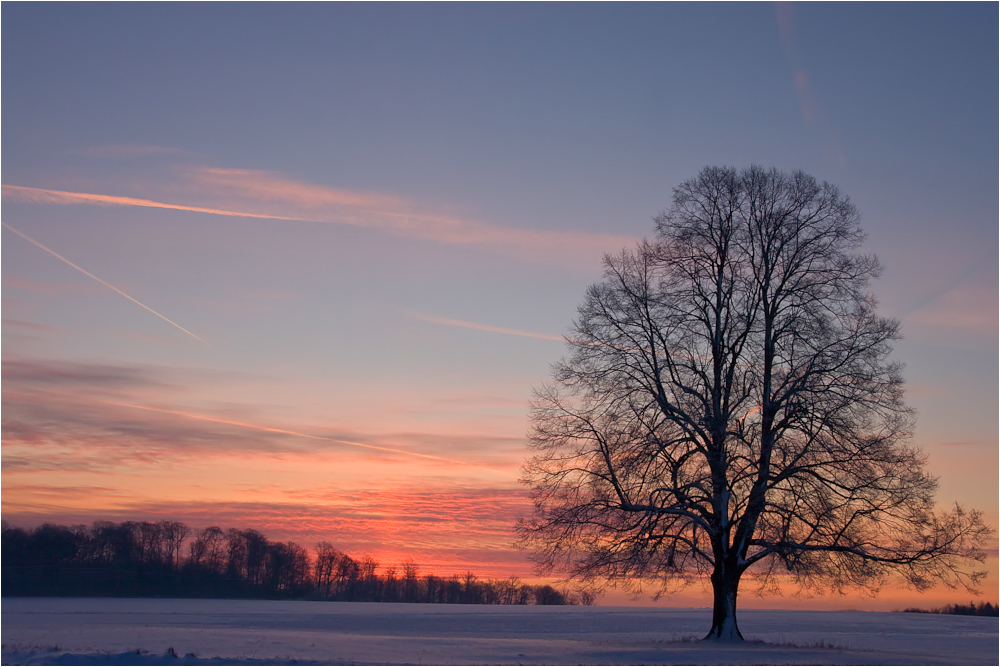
{"type": "Point", "coordinates": [330, 207]}
{"type": "Point", "coordinates": [484, 327]}
{"type": "Point", "coordinates": [88, 273]}
{"type": "Point", "coordinates": [61, 197]}
{"type": "Point", "coordinates": [282, 431]}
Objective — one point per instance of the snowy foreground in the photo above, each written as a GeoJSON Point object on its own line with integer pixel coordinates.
{"type": "Point", "coordinates": [78, 631]}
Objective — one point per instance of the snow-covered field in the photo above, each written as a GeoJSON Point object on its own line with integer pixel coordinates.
{"type": "Point", "coordinates": [140, 631]}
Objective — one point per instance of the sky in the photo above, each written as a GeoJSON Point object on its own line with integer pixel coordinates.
{"type": "Point", "coordinates": [299, 267]}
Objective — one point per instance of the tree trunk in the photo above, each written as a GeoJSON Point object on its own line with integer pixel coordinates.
{"type": "Point", "coordinates": [725, 584]}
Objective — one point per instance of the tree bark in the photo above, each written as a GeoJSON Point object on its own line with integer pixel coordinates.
{"type": "Point", "coordinates": [725, 584]}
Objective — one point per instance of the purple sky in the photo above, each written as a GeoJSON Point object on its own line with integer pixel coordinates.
{"type": "Point", "coordinates": [298, 267]}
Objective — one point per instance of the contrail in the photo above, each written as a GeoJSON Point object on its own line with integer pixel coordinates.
{"type": "Point", "coordinates": [88, 273]}
{"type": "Point", "coordinates": [269, 429]}
{"type": "Point", "coordinates": [343, 207]}
{"type": "Point", "coordinates": [484, 327]}
{"type": "Point", "coordinates": [61, 197]}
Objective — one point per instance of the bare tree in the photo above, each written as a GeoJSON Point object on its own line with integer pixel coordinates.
{"type": "Point", "coordinates": [286, 567]}
{"type": "Point", "coordinates": [325, 567]}
{"type": "Point", "coordinates": [173, 534]}
{"type": "Point", "coordinates": [729, 407]}
{"type": "Point", "coordinates": [411, 581]}
{"type": "Point", "coordinates": [236, 554]}
{"type": "Point", "coordinates": [347, 575]}
{"type": "Point", "coordinates": [150, 542]}
{"type": "Point", "coordinates": [390, 585]}
{"type": "Point", "coordinates": [368, 578]}
{"type": "Point", "coordinates": [208, 549]}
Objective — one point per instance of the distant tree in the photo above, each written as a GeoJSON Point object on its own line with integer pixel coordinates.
{"type": "Point", "coordinates": [368, 579]}
{"type": "Point", "coordinates": [14, 546]}
{"type": "Point", "coordinates": [173, 534]}
{"type": "Point", "coordinates": [433, 589]}
{"type": "Point", "coordinates": [547, 595]}
{"type": "Point", "coordinates": [470, 588]}
{"type": "Point", "coordinates": [490, 592]}
{"type": "Point", "coordinates": [987, 609]}
{"type": "Point", "coordinates": [208, 550]}
{"type": "Point", "coordinates": [390, 585]}
{"type": "Point", "coordinates": [236, 554]}
{"type": "Point", "coordinates": [286, 568]}
{"type": "Point", "coordinates": [148, 541]}
{"type": "Point", "coordinates": [728, 407]}
{"type": "Point", "coordinates": [111, 544]}
{"type": "Point", "coordinates": [256, 551]}
{"type": "Point", "coordinates": [348, 572]}
{"type": "Point", "coordinates": [136, 558]}
{"type": "Point", "coordinates": [453, 590]}
{"type": "Point", "coordinates": [411, 581]}
{"type": "Point", "coordinates": [508, 590]}
{"type": "Point", "coordinates": [52, 545]}
{"type": "Point", "coordinates": [325, 567]}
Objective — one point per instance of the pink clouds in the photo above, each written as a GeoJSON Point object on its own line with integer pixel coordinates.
{"type": "Point", "coordinates": [85, 441]}
{"type": "Point", "coordinates": [41, 196]}
{"type": "Point", "coordinates": [266, 186]}
{"type": "Point", "coordinates": [287, 432]}
{"type": "Point", "coordinates": [408, 476]}
{"type": "Point", "coordinates": [281, 197]}
{"type": "Point", "coordinates": [125, 411]}
{"type": "Point", "coordinates": [267, 195]}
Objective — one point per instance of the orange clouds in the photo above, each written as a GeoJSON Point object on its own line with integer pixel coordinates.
{"type": "Point", "coordinates": [72, 424]}
{"type": "Point", "coordinates": [84, 441]}
{"type": "Point", "coordinates": [76, 449]}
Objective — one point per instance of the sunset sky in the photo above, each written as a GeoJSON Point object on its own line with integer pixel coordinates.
{"type": "Point", "coordinates": [299, 267]}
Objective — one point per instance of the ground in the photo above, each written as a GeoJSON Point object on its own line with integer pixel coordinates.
{"type": "Point", "coordinates": [140, 631]}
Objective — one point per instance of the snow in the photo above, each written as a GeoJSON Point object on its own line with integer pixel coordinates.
{"type": "Point", "coordinates": [139, 631]}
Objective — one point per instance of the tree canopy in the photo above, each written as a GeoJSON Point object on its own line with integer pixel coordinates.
{"type": "Point", "coordinates": [729, 406]}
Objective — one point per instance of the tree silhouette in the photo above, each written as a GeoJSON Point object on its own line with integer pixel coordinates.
{"type": "Point", "coordinates": [208, 550]}
{"type": "Point", "coordinates": [728, 407]}
{"type": "Point", "coordinates": [112, 559]}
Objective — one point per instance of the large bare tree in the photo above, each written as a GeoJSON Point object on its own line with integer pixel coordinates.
{"type": "Point", "coordinates": [729, 407]}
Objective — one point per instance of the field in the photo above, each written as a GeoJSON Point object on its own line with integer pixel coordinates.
{"type": "Point", "coordinates": [140, 631]}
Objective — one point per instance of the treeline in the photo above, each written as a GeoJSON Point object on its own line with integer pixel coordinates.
{"type": "Point", "coordinates": [971, 609]}
{"type": "Point", "coordinates": [168, 559]}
